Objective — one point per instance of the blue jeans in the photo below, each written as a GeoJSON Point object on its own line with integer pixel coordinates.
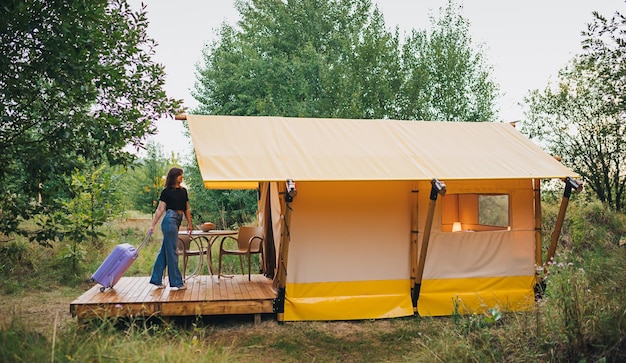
{"type": "Point", "coordinates": [167, 254]}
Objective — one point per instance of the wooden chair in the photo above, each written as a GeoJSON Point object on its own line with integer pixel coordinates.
{"type": "Point", "coordinates": [249, 242]}
{"type": "Point", "coordinates": [192, 247]}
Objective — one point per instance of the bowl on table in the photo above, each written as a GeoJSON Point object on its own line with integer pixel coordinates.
{"type": "Point", "coordinates": [207, 226]}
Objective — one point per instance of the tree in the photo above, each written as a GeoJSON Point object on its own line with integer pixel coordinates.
{"type": "Point", "coordinates": [77, 85]}
{"type": "Point", "coordinates": [302, 58]}
{"type": "Point", "coordinates": [146, 178]}
{"type": "Point", "coordinates": [583, 118]}
{"type": "Point", "coordinates": [446, 75]}
{"type": "Point", "coordinates": [93, 198]}
{"type": "Point", "coordinates": [335, 58]}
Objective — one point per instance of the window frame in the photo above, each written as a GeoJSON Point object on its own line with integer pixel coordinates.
{"type": "Point", "coordinates": [465, 208]}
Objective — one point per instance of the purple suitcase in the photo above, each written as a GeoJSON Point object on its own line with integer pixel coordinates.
{"type": "Point", "coordinates": [116, 264]}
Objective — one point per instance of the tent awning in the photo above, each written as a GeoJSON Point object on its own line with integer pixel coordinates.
{"type": "Point", "coordinates": [240, 151]}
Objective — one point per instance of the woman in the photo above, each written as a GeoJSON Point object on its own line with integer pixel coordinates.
{"type": "Point", "coordinates": [174, 202]}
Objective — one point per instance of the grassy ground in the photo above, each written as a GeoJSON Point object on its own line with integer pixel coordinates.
{"type": "Point", "coordinates": [582, 316]}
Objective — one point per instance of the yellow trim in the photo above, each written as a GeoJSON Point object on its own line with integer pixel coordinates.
{"type": "Point", "coordinates": [231, 184]}
{"type": "Point", "coordinates": [475, 295]}
{"type": "Point", "coordinates": [350, 300]}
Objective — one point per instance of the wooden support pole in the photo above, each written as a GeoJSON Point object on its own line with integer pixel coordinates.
{"type": "Point", "coordinates": [538, 244]}
{"type": "Point", "coordinates": [425, 240]}
{"type": "Point", "coordinates": [414, 241]}
{"type": "Point", "coordinates": [283, 254]}
{"type": "Point", "coordinates": [557, 229]}
{"type": "Point", "coordinates": [437, 188]}
{"type": "Point", "coordinates": [180, 117]}
{"type": "Point", "coordinates": [569, 185]}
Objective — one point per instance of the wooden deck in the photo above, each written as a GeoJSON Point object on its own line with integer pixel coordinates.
{"type": "Point", "coordinates": [204, 296]}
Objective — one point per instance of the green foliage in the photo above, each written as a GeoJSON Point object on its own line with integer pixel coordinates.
{"type": "Point", "coordinates": [228, 209]}
{"type": "Point", "coordinates": [17, 341]}
{"type": "Point", "coordinates": [446, 75]}
{"type": "Point", "coordinates": [329, 58]}
{"type": "Point", "coordinates": [581, 313]}
{"type": "Point", "coordinates": [335, 58]}
{"type": "Point", "coordinates": [94, 201]}
{"type": "Point", "coordinates": [588, 226]}
{"type": "Point", "coordinates": [78, 84]}
{"type": "Point", "coordinates": [109, 341]}
{"type": "Point", "coordinates": [145, 179]}
{"type": "Point", "coordinates": [583, 316]}
{"type": "Point", "coordinates": [12, 255]}
{"type": "Point", "coordinates": [581, 118]}
{"type": "Point", "coordinates": [473, 322]}
{"type": "Point", "coordinates": [567, 286]}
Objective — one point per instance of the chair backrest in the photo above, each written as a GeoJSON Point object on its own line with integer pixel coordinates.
{"type": "Point", "coordinates": [247, 233]}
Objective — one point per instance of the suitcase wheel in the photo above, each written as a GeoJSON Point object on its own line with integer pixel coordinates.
{"type": "Point", "coordinates": [102, 289]}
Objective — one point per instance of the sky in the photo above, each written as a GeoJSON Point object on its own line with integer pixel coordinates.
{"type": "Point", "coordinates": [526, 42]}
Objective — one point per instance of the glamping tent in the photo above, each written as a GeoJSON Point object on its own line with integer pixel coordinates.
{"type": "Point", "coordinates": [369, 219]}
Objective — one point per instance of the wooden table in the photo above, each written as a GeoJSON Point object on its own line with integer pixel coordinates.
{"type": "Point", "coordinates": [205, 240]}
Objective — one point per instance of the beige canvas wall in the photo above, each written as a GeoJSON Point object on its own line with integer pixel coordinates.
{"type": "Point", "coordinates": [350, 231]}
{"type": "Point", "coordinates": [354, 231]}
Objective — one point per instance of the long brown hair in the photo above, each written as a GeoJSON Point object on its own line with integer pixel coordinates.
{"type": "Point", "coordinates": [170, 181]}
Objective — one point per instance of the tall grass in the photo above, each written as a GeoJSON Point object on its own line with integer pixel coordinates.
{"type": "Point", "coordinates": [581, 316]}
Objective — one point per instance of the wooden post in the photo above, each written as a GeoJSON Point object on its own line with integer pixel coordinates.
{"type": "Point", "coordinates": [279, 302]}
{"type": "Point", "coordinates": [569, 185]}
{"type": "Point", "coordinates": [414, 241]}
{"type": "Point", "coordinates": [538, 244]}
{"type": "Point", "coordinates": [436, 189]}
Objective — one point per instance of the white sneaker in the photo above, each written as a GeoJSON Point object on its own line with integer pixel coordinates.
{"type": "Point", "coordinates": [176, 288]}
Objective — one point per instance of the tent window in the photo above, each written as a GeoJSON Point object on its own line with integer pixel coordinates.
{"type": "Point", "coordinates": [475, 212]}
{"type": "Point", "coordinates": [493, 210]}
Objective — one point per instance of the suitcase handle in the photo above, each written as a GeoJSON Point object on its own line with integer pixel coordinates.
{"type": "Point", "coordinates": [145, 239]}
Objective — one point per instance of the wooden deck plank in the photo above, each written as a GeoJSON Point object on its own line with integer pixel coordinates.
{"type": "Point", "coordinates": [205, 295]}
{"type": "Point", "coordinates": [221, 292]}
{"type": "Point", "coordinates": [254, 290]}
{"type": "Point", "coordinates": [230, 289]}
{"type": "Point", "coordinates": [224, 287]}
{"type": "Point", "coordinates": [243, 292]}
{"type": "Point", "coordinates": [215, 286]}
{"type": "Point", "coordinates": [138, 291]}
{"type": "Point", "coordinates": [194, 287]}
{"type": "Point", "coordinates": [147, 290]}
{"type": "Point", "coordinates": [236, 290]}
{"type": "Point", "coordinates": [251, 289]}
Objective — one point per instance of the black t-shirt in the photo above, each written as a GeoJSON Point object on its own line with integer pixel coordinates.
{"type": "Point", "coordinates": [175, 198]}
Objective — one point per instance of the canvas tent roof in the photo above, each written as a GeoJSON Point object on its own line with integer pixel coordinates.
{"type": "Point", "coordinates": [239, 151]}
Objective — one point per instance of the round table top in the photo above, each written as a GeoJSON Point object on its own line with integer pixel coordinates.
{"type": "Point", "coordinates": [213, 232]}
